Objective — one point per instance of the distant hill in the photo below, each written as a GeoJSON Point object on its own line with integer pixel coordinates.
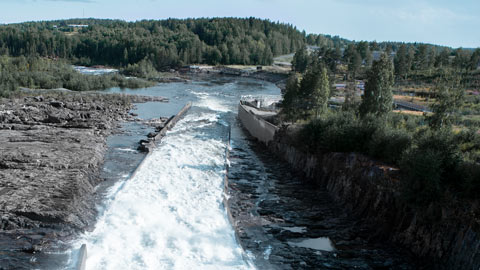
{"type": "Point", "coordinates": [170, 43]}
{"type": "Point", "coordinates": [166, 43]}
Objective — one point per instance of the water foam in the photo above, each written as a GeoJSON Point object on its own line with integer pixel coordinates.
{"type": "Point", "coordinates": [213, 103]}
{"type": "Point", "coordinates": [170, 214]}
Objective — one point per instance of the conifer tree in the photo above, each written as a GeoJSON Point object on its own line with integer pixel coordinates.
{"type": "Point", "coordinates": [300, 60]}
{"type": "Point", "coordinates": [290, 98]}
{"type": "Point", "coordinates": [449, 97]}
{"type": "Point", "coordinates": [401, 62]}
{"type": "Point", "coordinates": [321, 93]}
{"type": "Point", "coordinates": [378, 98]}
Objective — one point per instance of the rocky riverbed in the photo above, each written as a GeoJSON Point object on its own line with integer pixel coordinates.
{"type": "Point", "coordinates": [286, 222]}
{"type": "Point", "coordinates": [52, 147]}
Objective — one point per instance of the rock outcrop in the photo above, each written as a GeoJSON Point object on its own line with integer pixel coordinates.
{"type": "Point", "coordinates": [448, 235]}
{"type": "Point", "coordinates": [52, 147]}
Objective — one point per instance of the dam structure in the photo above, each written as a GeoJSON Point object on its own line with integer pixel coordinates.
{"type": "Point", "coordinates": [170, 213]}
{"type": "Point", "coordinates": [209, 196]}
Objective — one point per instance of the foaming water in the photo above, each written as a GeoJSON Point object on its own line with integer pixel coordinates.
{"type": "Point", "coordinates": [170, 214]}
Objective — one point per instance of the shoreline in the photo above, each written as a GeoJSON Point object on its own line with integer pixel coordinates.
{"type": "Point", "coordinates": [54, 146]}
{"type": "Point", "coordinates": [369, 191]}
{"type": "Point", "coordinates": [276, 211]}
{"type": "Point", "coordinates": [65, 207]}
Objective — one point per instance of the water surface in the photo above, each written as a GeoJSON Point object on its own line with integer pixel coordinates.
{"type": "Point", "coordinates": [170, 214]}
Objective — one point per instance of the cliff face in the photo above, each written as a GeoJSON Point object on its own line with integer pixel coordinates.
{"type": "Point", "coordinates": [447, 235]}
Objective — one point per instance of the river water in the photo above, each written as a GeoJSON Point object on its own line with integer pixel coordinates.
{"type": "Point", "coordinates": [170, 214]}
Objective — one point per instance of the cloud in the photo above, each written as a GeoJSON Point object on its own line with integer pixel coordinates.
{"type": "Point", "coordinates": [81, 1]}
{"type": "Point", "coordinates": [422, 14]}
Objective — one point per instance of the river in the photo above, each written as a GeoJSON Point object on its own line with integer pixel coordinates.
{"type": "Point", "coordinates": [170, 214]}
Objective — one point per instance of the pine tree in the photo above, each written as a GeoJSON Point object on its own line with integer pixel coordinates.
{"type": "Point", "coordinates": [401, 62]}
{"type": "Point", "coordinates": [378, 97]}
{"type": "Point", "coordinates": [321, 93]}
{"type": "Point", "coordinates": [355, 62]}
{"type": "Point", "coordinates": [475, 59]}
{"type": "Point", "coordinates": [449, 97]}
{"type": "Point", "coordinates": [290, 98]}
{"type": "Point", "coordinates": [300, 60]}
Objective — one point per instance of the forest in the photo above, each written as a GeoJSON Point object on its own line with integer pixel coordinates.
{"type": "Point", "coordinates": [167, 43]}
{"type": "Point", "coordinates": [431, 149]}
{"type": "Point", "coordinates": [438, 154]}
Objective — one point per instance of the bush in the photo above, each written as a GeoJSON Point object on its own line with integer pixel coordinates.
{"type": "Point", "coordinates": [432, 166]}
{"type": "Point", "coordinates": [389, 144]}
{"type": "Point", "coordinates": [422, 175]}
{"type": "Point", "coordinates": [339, 132]}
{"type": "Point", "coordinates": [332, 132]}
{"type": "Point", "coordinates": [142, 69]}
{"type": "Point", "coordinates": [472, 179]}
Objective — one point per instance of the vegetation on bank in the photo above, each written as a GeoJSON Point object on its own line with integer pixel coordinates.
{"type": "Point", "coordinates": [437, 152]}
{"type": "Point", "coordinates": [42, 73]}
{"type": "Point", "coordinates": [143, 48]}
{"type": "Point", "coordinates": [138, 49]}
{"type": "Point", "coordinates": [436, 155]}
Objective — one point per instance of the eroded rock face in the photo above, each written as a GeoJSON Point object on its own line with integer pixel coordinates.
{"type": "Point", "coordinates": [273, 209]}
{"type": "Point", "coordinates": [51, 150]}
{"type": "Point", "coordinates": [447, 236]}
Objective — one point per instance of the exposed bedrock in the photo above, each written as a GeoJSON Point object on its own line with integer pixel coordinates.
{"type": "Point", "coordinates": [52, 147]}
{"type": "Point", "coordinates": [448, 235]}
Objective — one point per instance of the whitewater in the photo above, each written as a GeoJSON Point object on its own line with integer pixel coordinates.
{"type": "Point", "coordinates": [170, 214]}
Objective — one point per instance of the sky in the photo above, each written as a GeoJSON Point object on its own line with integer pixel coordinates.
{"type": "Point", "coordinates": [443, 22]}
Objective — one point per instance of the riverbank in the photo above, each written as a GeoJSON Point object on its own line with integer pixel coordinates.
{"type": "Point", "coordinates": [441, 236]}
{"type": "Point", "coordinates": [268, 73]}
{"type": "Point", "coordinates": [289, 222]}
{"type": "Point", "coordinates": [53, 145]}
{"type": "Point", "coordinates": [444, 235]}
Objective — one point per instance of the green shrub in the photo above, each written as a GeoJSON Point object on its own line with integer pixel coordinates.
{"type": "Point", "coordinates": [472, 179]}
{"type": "Point", "coordinates": [432, 166]}
{"type": "Point", "coordinates": [142, 69]}
{"type": "Point", "coordinates": [339, 132]}
{"type": "Point", "coordinates": [422, 175]}
{"type": "Point", "coordinates": [389, 144]}
{"type": "Point", "coordinates": [331, 132]}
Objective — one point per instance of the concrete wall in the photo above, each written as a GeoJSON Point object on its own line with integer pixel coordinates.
{"type": "Point", "coordinates": [256, 126]}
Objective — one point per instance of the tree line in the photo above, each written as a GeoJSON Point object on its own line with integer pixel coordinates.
{"type": "Point", "coordinates": [409, 58]}
{"type": "Point", "coordinates": [436, 157]}
{"type": "Point", "coordinates": [166, 43]}
{"type": "Point", "coordinates": [246, 41]}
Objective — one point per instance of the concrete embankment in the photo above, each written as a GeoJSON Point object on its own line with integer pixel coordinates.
{"type": "Point", "coordinates": [445, 236]}
{"type": "Point", "coordinates": [256, 126]}
{"type": "Point", "coordinates": [152, 143]}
